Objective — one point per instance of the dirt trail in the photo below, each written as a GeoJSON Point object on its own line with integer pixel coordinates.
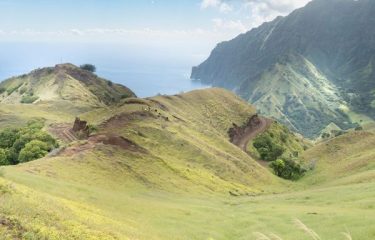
{"type": "Point", "coordinates": [241, 136]}
{"type": "Point", "coordinates": [63, 132]}
{"type": "Point", "coordinates": [251, 133]}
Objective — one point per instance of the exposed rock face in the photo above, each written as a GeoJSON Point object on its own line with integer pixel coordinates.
{"type": "Point", "coordinates": [80, 128]}
{"type": "Point", "coordinates": [237, 132]}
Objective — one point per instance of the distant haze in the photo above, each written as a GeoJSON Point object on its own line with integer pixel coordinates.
{"type": "Point", "coordinates": [147, 71]}
{"type": "Point", "coordinates": [148, 45]}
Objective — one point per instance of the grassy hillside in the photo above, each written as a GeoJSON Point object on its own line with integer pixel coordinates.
{"type": "Point", "coordinates": [343, 160]}
{"type": "Point", "coordinates": [163, 168]}
{"type": "Point", "coordinates": [296, 93]}
{"type": "Point", "coordinates": [56, 94]}
{"type": "Point", "coordinates": [62, 84]}
{"type": "Point", "coordinates": [292, 144]}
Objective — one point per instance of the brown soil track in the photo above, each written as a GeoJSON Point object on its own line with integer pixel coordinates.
{"type": "Point", "coordinates": [252, 133]}
{"type": "Point", "coordinates": [241, 136]}
{"type": "Point", "coordinates": [63, 132]}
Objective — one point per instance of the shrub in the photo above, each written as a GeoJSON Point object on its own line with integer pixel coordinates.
{"type": "Point", "coordinates": [326, 135]}
{"type": "Point", "coordinates": [28, 99]}
{"type": "Point", "coordinates": [123, 96]}
{"type": "Point", "coordinates": [267, 149]}
{"type": "Point", "coordinates": [33, 150]}
{"type": "Point", "coordinates": [25, 144]}
{"type": "Point", "coordinates": [92, 128]}
{"type": "Point", "coordinates": [8, 137]}
{"type": "Point", "coordinates": [23, 90]}
{"type": "Point", "coordinates": [2, 90]}
{"type": "Point", "coordinates": [13, 89]}
{"type": "Point", "coordinates": [37, 124]}
{"type": "Point", "coordinates": [88, 67]}
{"type": "Point", "coordinates": [287, 169]}
{"type": "Point", "coordinates": [4, 157]}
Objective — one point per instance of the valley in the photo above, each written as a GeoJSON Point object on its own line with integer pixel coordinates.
{"type": "Point", "coordinates": [165, 168]}
{"type": "Point", "coordinates": [187, 120]}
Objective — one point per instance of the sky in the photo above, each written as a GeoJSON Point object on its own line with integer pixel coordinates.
{"type": "Point", "coordinates": [144, 36]}
{"type": "Point", "coordinates": [138, 22]}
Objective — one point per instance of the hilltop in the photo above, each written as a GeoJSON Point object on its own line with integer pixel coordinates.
{"type": "Point", "coordinates": [57, 95]}
{"type": "Point", "coordinates": [309, 69]}
{"type": "Point", "coordinates": [62, 84]}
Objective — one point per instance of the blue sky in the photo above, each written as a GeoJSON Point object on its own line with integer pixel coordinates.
{"type": "Point", "coordinates": [37, 33]}
{"type": "Point", "coordinates": [135, 20]}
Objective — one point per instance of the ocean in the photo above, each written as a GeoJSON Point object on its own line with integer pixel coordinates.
{"type": "Point", "coordinates": [147, 71]}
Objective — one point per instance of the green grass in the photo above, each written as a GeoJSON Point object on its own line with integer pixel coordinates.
{"type": "Point", "coordinates": [293, 144]}
{"type": "Point", "coordinates": [139, 213]}
{"type": "Point", "coordinates": [346, 159]}
{"type": "Point", "coordinates": [178, 188]}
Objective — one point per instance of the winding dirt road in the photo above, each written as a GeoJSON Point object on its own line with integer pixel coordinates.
{"type": "Point", "coordinates": [254, 127]}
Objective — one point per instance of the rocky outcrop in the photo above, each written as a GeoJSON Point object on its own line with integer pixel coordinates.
{"type": "Point", "coordinates": [80, 128]}
{"type": "Point", "coordinates": [241, 135]}
{"type": "Point", "coordinates": [237, 132]}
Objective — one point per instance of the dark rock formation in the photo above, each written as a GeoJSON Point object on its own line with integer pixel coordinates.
{"type": "Point", "coordinates": [237, 132]}
{"type": "Point", "coordinates": [81, 129]}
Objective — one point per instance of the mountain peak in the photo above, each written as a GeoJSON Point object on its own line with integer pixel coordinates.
{"type": "Point", "coordinates": [305, 68]}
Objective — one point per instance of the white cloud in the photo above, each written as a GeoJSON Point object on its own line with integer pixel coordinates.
{"type": "Point", "coordinates": [282, 6]}
{"type": "Point", "coordinates": [223, 7]}
{"type": "Point", "coordinates": [210, 3]}
{"type": "Point", "coordinates": [260, 11]}
{"type": "Point", "coordinates": [77, 32]}
{"type": "Point", "coordinates": [252, 12]}
{"type": "Point", "coordinates": [229, 25]}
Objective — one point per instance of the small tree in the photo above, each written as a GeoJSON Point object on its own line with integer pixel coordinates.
{"type": "Point", "coordinates": [267, 148]}
{"type": "Point", "coordinates": [33, 150]}
{"type": "Point", "coordinates": [8, 137]}
{"type": "Point", "coordinates": [278, 166]}
{"type": "Point", "coordinates": [4, 157]}
{"type": "Point", "coordinates": [287, 169]}
{"type": "Point", "coordinates": [88, 67]}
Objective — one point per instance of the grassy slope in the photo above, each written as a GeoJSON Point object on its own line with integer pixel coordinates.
{"type": "Point", "coordinates": [345, 159]}
{"type": "Point", "coordinates": [281, 135]}
{"type": "Point", "coordinates": [296, 93]}
{"type": "Point", "coordinates": [179, 189]}
{"type": "Point", "coordinates": [64, 84]}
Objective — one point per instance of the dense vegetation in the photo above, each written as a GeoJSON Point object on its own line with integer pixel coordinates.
{"type": "Point", "coordinates": [267, 148]}
{"type": "Point", "coordinates": [281, 148]}
{"type": "Point", "coordinates": [18, 145]}
{"type": "Point", "coordinates": [288, 169]}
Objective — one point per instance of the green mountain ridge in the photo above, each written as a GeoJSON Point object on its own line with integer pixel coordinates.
{"type": "Point", "coordinates": [321, 56]}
